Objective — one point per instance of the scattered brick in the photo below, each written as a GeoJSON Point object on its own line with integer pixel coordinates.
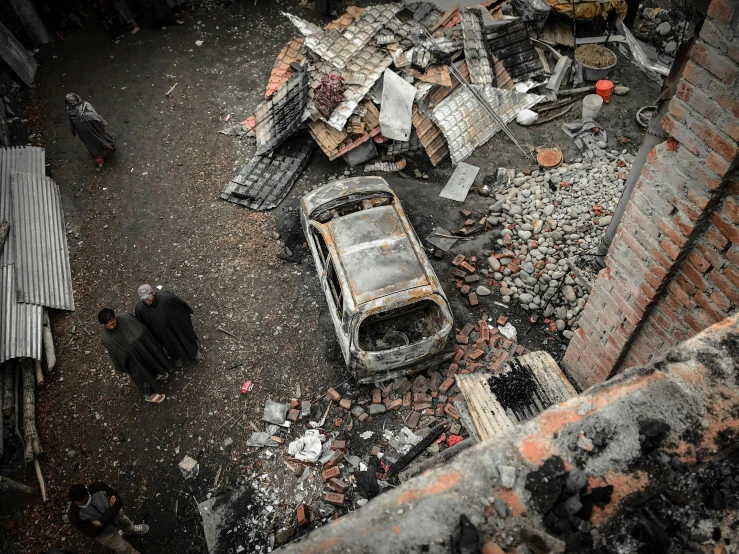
{"type": "Point", "coordinates": [471, 278]}
{"type": "Point", "coordinates": [413, 420]}
{"type": "Point", "coordinates": [446, 385]}
{"type": "Point", "coordinates": [451, 411]}
{"type": "Point", "coordinates": [462, 339]}
{"type": "Point", "coordinates": [465, 290]}
{"type": "Point", "coordinates": [520, 350]}
{"type": "Point", "coordinates": [422, 405]}
{"type": "Point", "coordinates": [338, 445]}
{"type": "Point", "coordinates": [467, 267]}
{"type": "Point", "coordinates": [433, 380]}
{"type": "Point", "coordinates": [345, 403]}
{"type": "Point", "coordinates": [458, 259]}
{"type": "Point", "coordinates": [502, 320]}
{"type": "Point", "coordinates": [293, 415]}
{"type": "Point", "coordinates": [467, 329]}
{"type": "Point", "coordinates": [376, 396]}
{"type": "Point", "coordinates": [395, 404]}
{"type": "Point", "coordinates": [387, 390]}
{"type": "Point", "coordinates": [420, 384]}
{"type": "Point", "coordinates": [302, 513]}
{"type": "Point", "coordinates": [439, 411]}
{"type": "Point", "coordinates": [421, 397]}
{"type": "Point", "coordinates": [294, 403]}
{"type": "Point", "coordinates": [473, 299]}
{"type": "Point", "coordinates": [375, 451]}
{"type": "Point", "coordinates": [484, 331]}
{"type": "Point", "coordinates": [476, 355]}
{"type": "Point", "coordinates": [334, 395]}
{"type": "Point", "coordinates": [407, 399]}
{"type": "Point", "coordinates": [338, 421]}
{"type": "Point", "coordinates": [331, 473]}
{"type": "Point", "coordinates": [364, 417]}
{"type": "Point", "coordinates": [338, 485]}
{"type": "Point", "coordinates": [334, 498]}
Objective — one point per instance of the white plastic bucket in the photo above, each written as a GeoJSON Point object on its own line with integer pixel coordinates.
{"type": "Point", "coordinates": [591, 105]}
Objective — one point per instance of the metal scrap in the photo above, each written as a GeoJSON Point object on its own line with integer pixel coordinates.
{"type": "Point", "coordinates": [396, 107]}
{"type": "Point", "coordinates": [265, 181]}
{"type": "Point", "coordinates": [466, 124]}
{"type": "Point", "coordinates": [278, 116]}
{"type": "Point", "coordinates": [510, 43]}
{"type": "Point", "coordinates": [474, 48]}
{"type": "Point", "coordinates": [386, 167]}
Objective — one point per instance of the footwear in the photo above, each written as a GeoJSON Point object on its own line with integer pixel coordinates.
{"type": "Point", "coordinates": [156, 399]}
{"type": "Point", "coordinates": [198, 356]}
{"type": "Point", "coordinates": [140, 529]}
{"type": "Point", "coordinates": [178, 363]}
{"type": "Point", "coordinates": [162, 377]}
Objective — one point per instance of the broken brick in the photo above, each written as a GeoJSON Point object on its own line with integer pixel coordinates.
{"type": "Point", "coordinates": [467, 329]}
{"type": "Point", "coordinates": [446, 385]}
{"type": "Point", "coordinates": [467, 267]}
{"type": "Point", "coordinates": [471, 279]}
{"type": "Point", "coordinates": [413, 419]}
{"type": "Point", "coordinates": [364, 417]}
{"type": "Point", "coordinates": [407, 399]}
{"type": "Point", "coordinates": [520, 350]}
{"type": "Point", "coordinates": [395, 404]}
{"type": "Point", "coordinates": [376, 396]}
{"type": "Point", "coordinates": [473, 299]}
{"type": "Point", "coordinates": [331, 473]}
{"type": "Point", "coordinates": [338, 421]}
{"type": "Point", "coordinates": [334, 498]}
{"type": "Point", "coordinates": [458, 355]}
{"type": "Point", "coordinates": [334, 395]}
{"type": "Point", "coordinates": [454, 272]}
{"type": "Point", "coordinates": [502, 320]}
{"type": "Point", "coordinates": [375, 451]}
{"type": "Point", "coordinates": [484, 331]}
{"type": "Point", "coordinates": [433, 380]}
{"type": "Point", "coordinates": [387, 390]}
{"type": "Point", "coordinates": [462, 339]}
{"type": "Point", "coordinates": [439, 411]}
{"type": "Point", "coordinates": [338, 445]}
{"type": "Point", "coordinates": [419, 384]}
{"type": "Point", "coordinates": [293, 415]}
{"type": "Point", "coordinates": [302, 514]}
{"type": "Point", "coordinates": [294, 403]}
{"type": "Point", "coordinates": [476, 355]}
{"type": "Point", "coordinates": [465, 290]}
{"type": "Point", "coordinates": [451, 411]}
{"type": "Point", "coordinates": [458, 259]}
{"type": "Point", "coordinates": [422, 405]}
{"type": "Point", "coordinates": [345, 403]}
{"type": "Point", "coordinates": [421, 397]}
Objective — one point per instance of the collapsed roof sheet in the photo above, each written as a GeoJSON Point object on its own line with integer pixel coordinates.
{"type": "Point", "coordinates": [474, 49]}
{"type": "Point", "coordinates": [281, 71]}
{"type": "Point", "coordinates": [20, 324]}
{"type": "Point", "coordinates": [510, 43]}
{"type": "Point", "coordinates": [279, 115]}
{"type": "Point", "coordinates": [425, 13]}
{"type": "Point", "coordinates": [336, 143]}
{"type": "Point", "coordinates": [466, 124]}
{"type": "Point", "coordinates": [265, 181]}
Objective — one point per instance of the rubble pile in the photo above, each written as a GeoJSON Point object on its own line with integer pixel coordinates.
{"type": "Point", "coordinates": [546, 222]}
{"type": "Point", "coordinates": [401, 77]}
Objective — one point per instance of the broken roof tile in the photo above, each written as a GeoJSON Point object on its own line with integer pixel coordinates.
{"type": "Point", "coordinates": [510, 43]}
{"type": "Point", "coordinates": [398, 147]}
{"type": "Point", "coordinates": [342, 22]}
{"type": "Point", "coordinates": [436, 74]}
{"type": "Point", "coordinates": [281, 72]}
{"type": "Point", "coordinates": [425, 13]}
{"type": "Point", "coordinates": [335, 143]}
{"type": "Point", "coordinates": [474, 48]}
{"type": "Point", "coordinates": [279, 115]}
{"type": "Point", "coordinates": [466, 124]}
{"type": "Point", "coordinates": [265, 181]}
{"type": "Point", "coordinates": [430, 136]}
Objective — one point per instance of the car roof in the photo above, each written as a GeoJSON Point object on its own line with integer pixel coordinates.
{"type": "Point", "coordinates": [376, 253]}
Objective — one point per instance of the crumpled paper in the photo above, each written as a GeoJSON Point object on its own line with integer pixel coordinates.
{"type": "Point", "coordinates": [307, 448]}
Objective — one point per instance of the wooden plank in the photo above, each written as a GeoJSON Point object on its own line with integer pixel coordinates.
{"type": "Point", "coordinates": [488, 415]}
{"type": "Point", "coordinates": [558, 76]}
{"type": "Point", "coordinates": [597, 40]}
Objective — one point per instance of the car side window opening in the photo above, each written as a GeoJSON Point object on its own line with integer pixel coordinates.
{"type": "Point", "coordinates": [321, 243]}
{"type": "Point", "coordinates": [335, 286]}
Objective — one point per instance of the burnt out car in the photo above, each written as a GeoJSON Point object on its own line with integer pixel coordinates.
{"type": "Point", "coordinates": [390, 314]}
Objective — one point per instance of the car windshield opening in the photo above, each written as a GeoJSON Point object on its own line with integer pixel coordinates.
{"type": "Point", "coordinates": [350, 205]}
{"type": "Point", "coordinates": [401, 326]}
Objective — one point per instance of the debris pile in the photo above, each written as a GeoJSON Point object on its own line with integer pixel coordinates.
{"type": "Point", "coordinates": [403, 77]}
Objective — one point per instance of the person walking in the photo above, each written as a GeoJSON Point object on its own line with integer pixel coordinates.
{"type": "Point", "coordinates": [133, 350]}
{"type": "Point", "coordinates": [87, 124]}
{"type": "Point", "coordinates": [95, 511]}
{"type": "Point", "coordinates": [167, 316]}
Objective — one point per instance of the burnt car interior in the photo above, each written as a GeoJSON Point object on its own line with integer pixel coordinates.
{"type": "Point", "coordinates": [400, 326]}
{"type": "Point", "coordinates": [333, 279]}
{"type": "Point", "coordinates": [349, 205]}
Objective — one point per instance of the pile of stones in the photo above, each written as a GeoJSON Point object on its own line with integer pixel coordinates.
{"type": "Point", "coordinates": [549, 220]}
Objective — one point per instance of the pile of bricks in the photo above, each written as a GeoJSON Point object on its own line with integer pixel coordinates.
{"type": "Point", "coordinates": [480, 346]}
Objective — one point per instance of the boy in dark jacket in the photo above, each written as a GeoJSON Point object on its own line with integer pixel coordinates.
{"type": "Point", "coordinates": [95, 511]}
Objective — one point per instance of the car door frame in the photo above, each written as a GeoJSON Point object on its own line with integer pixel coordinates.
{"type": "Point", "coordinates": [337, 313]}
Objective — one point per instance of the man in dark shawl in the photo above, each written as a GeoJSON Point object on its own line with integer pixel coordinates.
{"type": "Point", "coordinates": [87, 124]}
{"type": "Point", "coordinates": [134, 350]}
{"type": "Point", "coordinates": [168, 318]}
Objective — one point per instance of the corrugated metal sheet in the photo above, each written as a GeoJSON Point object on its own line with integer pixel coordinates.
{"type": "Point", "coordinates": [28, 159]}
{"type": "Point", "coordinates": [17, 57]}
{"type": "Point", "coordinates": [510, 43]}
{"type": "Point", "coordinates": [20, 324]}
{"type": "Point", "coordinates": [474, 49]}
{"type": "Point", "coordinates": [465, 122]}
{"type": "Point", "coordinates": [42, 271]}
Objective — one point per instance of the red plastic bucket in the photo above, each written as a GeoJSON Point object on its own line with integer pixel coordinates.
{"type": "Point", "coordinates": [604, 89]}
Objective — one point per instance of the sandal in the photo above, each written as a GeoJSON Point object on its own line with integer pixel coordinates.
{"type": "Point", "coordinates": [161, 377]}
{"type": "Point", "coordinates": [156, 398]}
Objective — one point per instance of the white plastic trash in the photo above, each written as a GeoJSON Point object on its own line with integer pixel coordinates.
{"type": "Point", "coordinates": [526, 117]}
{"type": "Point", "coordinates": [591, 106]}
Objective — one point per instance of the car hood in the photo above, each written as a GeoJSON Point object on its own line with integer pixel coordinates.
{"type": "Point", "coordinates": [336, 190]}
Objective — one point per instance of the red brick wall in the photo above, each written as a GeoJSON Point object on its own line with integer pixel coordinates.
{"type": "Point", "coordinates": [673, 267]}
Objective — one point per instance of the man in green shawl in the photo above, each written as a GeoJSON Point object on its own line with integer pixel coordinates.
{"type": "Point", "coordinates": [134, 350]}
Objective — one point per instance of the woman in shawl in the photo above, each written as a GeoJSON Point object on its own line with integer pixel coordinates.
{"type": "Point", "coordinates": [133, 350]}
{"type": "Point", "coordinates": [87, 124]}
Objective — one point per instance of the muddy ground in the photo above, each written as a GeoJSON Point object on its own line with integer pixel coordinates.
{"type": "Point", "coordinates": [153, 215]}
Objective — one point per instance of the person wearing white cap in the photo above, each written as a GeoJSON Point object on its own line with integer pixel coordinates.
{"type": "Point", "coordinates": [168, 317]}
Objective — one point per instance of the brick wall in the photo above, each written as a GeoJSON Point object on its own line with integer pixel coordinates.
{"type": "Point", "coordinates": [673, 267]}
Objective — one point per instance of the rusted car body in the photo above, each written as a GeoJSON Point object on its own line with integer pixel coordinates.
{"type": "Point", "coordinates": [389, 311]}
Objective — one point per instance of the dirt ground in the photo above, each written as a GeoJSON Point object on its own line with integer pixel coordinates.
{"type": "Point", "coordinates": [153, 215]}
